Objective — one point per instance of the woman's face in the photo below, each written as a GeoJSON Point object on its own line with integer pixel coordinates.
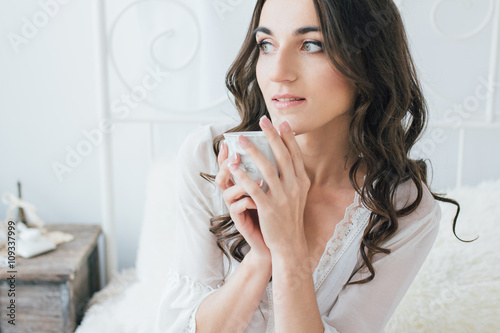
{"type": "Point", "coordinates": [292, 62]}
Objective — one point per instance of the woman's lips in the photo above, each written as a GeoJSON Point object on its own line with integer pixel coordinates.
{"type": "Point", "coordinates": [287, 104]}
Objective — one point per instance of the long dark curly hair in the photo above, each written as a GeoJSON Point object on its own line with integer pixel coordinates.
{"type": "Point", "coordinates": [367, 43]}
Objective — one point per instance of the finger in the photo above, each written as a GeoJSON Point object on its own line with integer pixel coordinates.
{"type": "Point", "coordinates": [250, 186]}
{"type": "Point", "coordinates": [265, 166]}
{"type": "Point", "coordinates": [236, 192]}
{"type": "Point", "coordinates": [242, 205]}
{"type": "Point", "coordinates": [294, 150]}
{"type": "Point", "coordinates": [280, 150]}
{"type": "Point", "coordinates": [223, 179]}
{"type": "Point", "coordinates": [238, 208]}
{"type": "Point", "coordinates": [223, 152]}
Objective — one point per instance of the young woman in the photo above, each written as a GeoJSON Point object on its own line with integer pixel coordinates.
{"type": "Point", "coordinates": [343, 230]}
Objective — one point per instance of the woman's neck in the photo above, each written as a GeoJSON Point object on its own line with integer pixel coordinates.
{"type": "Point", "coordinates": [324, 151]}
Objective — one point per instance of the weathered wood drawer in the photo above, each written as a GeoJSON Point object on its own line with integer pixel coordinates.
{"type": "Point", "coordinates": [52, 289]}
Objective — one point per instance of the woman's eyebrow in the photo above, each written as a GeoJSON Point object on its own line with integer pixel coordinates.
{"type": "Point", "coordinates": [299, 31]}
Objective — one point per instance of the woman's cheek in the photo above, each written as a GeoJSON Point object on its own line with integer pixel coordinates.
{"type": "Point", "coordinates": [261, 79]}
{"type": "Point", "coordinates": [259, 70]}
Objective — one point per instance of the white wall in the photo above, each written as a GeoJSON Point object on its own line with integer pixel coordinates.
{"type": "Point", "coordinates": [452, 45]}
{"type": "Point", "coordinates": [48, 96]}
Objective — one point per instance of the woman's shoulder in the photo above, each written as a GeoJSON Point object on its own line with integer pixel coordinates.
{"type": "Point", "coordinates": [422, 222]}
{"type": "Point", "coordinates": [427, 211]}
{"type": "Point", "coordinates": [196, 156]}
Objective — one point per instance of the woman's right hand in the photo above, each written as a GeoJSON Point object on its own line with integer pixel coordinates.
{"type": "Point", "coordinates": [242, 209]}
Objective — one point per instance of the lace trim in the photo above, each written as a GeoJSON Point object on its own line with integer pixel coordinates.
{"type": "Point", "coordinates": [337, 245]}
{"type": "Point", "coordinates": [191, 326]}
{"type": "Point", "coordinates": [270, 328]}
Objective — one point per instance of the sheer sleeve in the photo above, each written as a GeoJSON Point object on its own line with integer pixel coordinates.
{"type": "Point", "coordinates": [368, 307]}
{"type": "Point", "coordinates": [198, 265]}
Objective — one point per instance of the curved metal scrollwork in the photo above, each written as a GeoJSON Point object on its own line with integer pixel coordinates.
{"type": "Point", "coordinates": [162, 36]}
{"type": "Point", "coordinates": [467, 35]}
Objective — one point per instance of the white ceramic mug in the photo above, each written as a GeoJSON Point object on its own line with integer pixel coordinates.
{"type": "Point", "coordinates": [259, 139]}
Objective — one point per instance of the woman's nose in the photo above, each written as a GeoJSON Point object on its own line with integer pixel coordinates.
{"type": "Point", "coordinates": [283, 67]}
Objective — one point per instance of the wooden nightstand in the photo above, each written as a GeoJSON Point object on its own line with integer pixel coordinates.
{"type": "Point", "coordinates": [52, 289]}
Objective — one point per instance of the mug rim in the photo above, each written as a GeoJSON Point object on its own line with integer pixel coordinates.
{"type": "Point", "coordinates": [248, 133]}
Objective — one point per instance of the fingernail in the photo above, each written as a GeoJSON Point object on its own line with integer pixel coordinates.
{"type": "Point", "coordinates": [260, 182]}
{"type": "Point", "coordinates": [235, 157]}
{"type": "Point", "coordinates": [232, 167]}
{"type": "Point", "coordinates": [284, 126]}
{"type": "Point", "coordinates": [265, 122]}
{"type": "Point", "coordinates": [243, 141]}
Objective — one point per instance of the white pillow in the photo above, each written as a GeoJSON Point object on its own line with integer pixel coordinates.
{"type": "Point", "coordinates": [117, 307]}
{"type": "Point", "coordinates": [155, 252]}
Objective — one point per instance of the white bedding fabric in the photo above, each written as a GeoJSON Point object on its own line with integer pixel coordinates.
{"type": "Point", "coordinates": [456, 290]}
{"type": "Point", "coordinates": [129, 302]}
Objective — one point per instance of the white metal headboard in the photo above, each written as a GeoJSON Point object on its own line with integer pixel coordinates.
{"type": "Point", "coordinates": [106, 163]}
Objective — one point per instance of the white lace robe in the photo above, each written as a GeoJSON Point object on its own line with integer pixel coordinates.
{"type": "Point", "coordinates": [199, 266]}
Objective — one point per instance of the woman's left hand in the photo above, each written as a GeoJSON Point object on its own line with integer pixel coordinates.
{"type": "Point", "coordinates": [281, 209]}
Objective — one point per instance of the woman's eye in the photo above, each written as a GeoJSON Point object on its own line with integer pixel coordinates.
{"type": "Point", "coordinates": [309, 46]}
{"type": "Point", "coordinates": [266, 47]}
{"type": "Point", "coordinates": [313, 46]}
